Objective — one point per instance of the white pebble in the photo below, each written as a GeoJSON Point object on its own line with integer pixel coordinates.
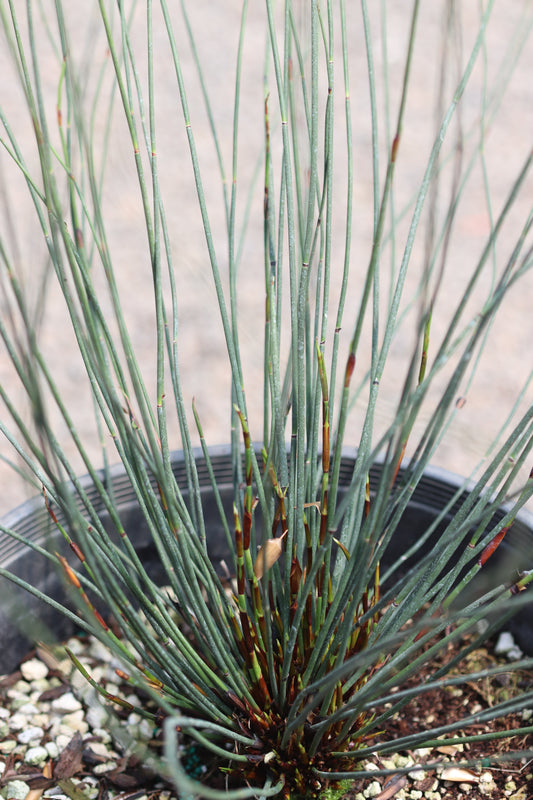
{"type": "Point", "coordinates": [18, 690]}
{"type": "Point", "coordinates": [29, 709]}
{"type": "Point", "coordinates": [373, 789]}
{"type": "Point", "coordinates": [36, 755]}
{"type": "Point", "coordinates": [145, 729]}
{"type": "Point", "coordinates": [134, 699]}
{"type": "Point", "coordinates": [16, 790]}
{"type": "Point", "coordinates": [102, 734]}
{"type": "Point", "coordinates": [18, 721]}
{"type": "Point", "coordinates": [75, 721]}
{"type": "Point", "coordinates": [63, 739]}
{"type": "Point", "coordinates": [66, 704]}
{"type": "Point", "coordinates": [99, 749]}
{"type": "Point", "coordinates": [506, 646]}
{"type": "Point", "coordinates": [101, 653]}
{"type": "Point", "coordinates": [97, 716]}
{"type": "Point", "coordinates": [52, 749]}
{"type": "Point", "coordinates": [42, 720]}
{"type": "Point", "coordinates": [34, 669]}
{"type": "Point", "coordinates": [107, 766]}
{"type": "Point", "coordinates": [76, 646]}
{"type": "Point", "coordinates": [30, 734]}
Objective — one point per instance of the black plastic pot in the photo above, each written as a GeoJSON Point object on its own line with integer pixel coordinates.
{"type": "Point", "coordinates": [24, 619]}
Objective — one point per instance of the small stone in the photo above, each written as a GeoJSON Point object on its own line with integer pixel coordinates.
{"type": "Point", "coordinates": [41, 720]}
{"type": "Point", "coordinates": [102, 734]}
{"type": "Point", "coordinates": [43, 685]}
{"type": "Point", "coordinates": [63, 739]}
{"type": "Point", "coordinates": [99, 749]}
{"type": "Point", "coordinates": [421, 752]}
{"type": "Point", "coordinates": [18, 721]}
{"type": "Point", "coordinates": [521, 794]}
{"type": "Point", "coordinates": [36, 755]}
{"type": "Point", "coordinates": [506, 646]}
{"type": "Point", "coordinates": [66, 704]}
{"type": "Point", "coordinates": [29, 709]}
{"type": "Point", "coordinates": [417, 775]}
{"type": "Point", "coordinates": [8, 746]}
{"type": "Point", "coordinates": [76, 646]}
{"type": "Point", "coordinates": [52, 749]}
{"type": "Point", "coordinates": [486, 784]}
{"type": "Point", "coordinates": [97, 716]}
{"type": "Point", "coordinates": [33, 670]}
{"type": "Point", "coordinates": [145, 729]}
{"type": "Point", "coordinates": [15, 790]}
{"type": "Point", "coordinates": [107, 766]}
{"type": "Point", "coordinates": [30, 734]}
{"type": "Point", "coordinates": [75, 722]}
{"type": "Point", "coordinates": [373, 789]}
{"type": "Point", "coordinates": [402, 761]}
{"type": "Point", "coordinates": [100, 652]}
{"type": "Point", "coordinates": [134, 699]}
{"type": "Point", "coordinates": [18, 690]}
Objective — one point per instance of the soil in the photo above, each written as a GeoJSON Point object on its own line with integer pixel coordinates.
{"type": "Point", "coordinates": [443, 707]}
{"type": "Point", "coordinates": [513, 778]}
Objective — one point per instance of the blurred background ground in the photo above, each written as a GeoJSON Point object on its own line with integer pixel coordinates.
{"type": "Point", "coordinates": [203, 363]}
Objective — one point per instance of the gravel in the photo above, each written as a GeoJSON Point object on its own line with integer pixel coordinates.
{"type": "Point", "coordinates": [58, 741]}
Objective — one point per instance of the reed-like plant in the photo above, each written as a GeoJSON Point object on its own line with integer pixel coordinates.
{"type": "Point", "coordinates": [290, 671]}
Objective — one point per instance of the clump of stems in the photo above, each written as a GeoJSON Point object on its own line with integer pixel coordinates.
{"type": "Point", "coordinates": [287, 663]}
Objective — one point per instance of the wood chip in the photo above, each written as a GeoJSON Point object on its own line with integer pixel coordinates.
{"type": "Point", "coordinates": [448, 749]}
{"type": "Point", "coordinates": [70, 760]}
{"type": "Point", "coordinates": [392, 787]}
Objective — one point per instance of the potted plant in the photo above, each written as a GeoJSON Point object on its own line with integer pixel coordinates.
{"type": "Point", "coordinates": [292, 650]}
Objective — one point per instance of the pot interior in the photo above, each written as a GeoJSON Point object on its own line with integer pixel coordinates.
{"type": "Point", "coordinates": [25, 619]}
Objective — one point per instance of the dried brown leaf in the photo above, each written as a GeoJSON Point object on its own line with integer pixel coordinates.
{"type": "Point", "coordinates": [69, 788]}
{"type": "Point", "coordinates": [70, 759]}
{"type": "Point", "coordinates": [447, 749]}
{"type": "Point", "coordinates": [392, 787]}
{"type": "Point", "coordinates": [459, 775]}
{"type": "Point", "coordinates": [267, 556]}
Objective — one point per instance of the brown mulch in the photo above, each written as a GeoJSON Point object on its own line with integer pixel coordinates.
{"type": "Point", "coordinates": [512, 778]}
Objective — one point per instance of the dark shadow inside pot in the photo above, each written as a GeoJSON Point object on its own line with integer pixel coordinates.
{"type": "Point", "coordinates": [25, 619]}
